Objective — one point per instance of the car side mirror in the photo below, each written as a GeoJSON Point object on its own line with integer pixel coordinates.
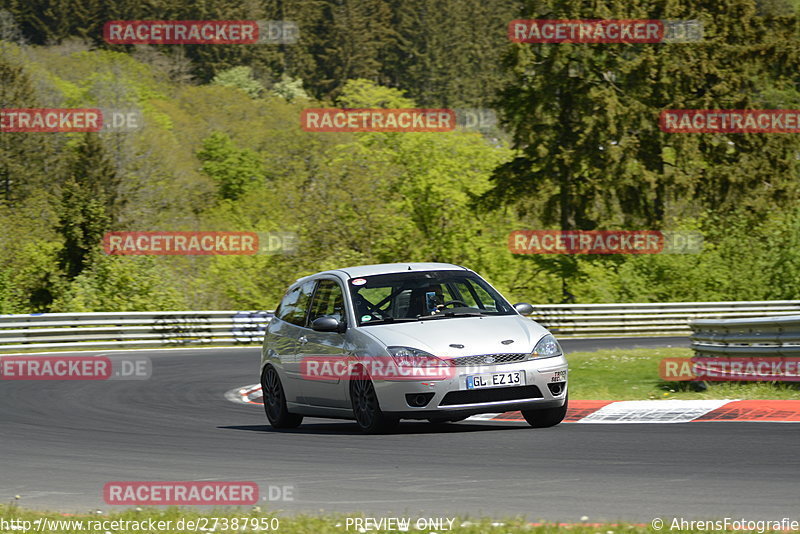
{"type": "Point", "coordinates": [327, 323]}
{"type": "Point", "coordinates": [523, 308]}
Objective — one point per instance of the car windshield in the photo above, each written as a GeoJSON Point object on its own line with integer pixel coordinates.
{"type": "Point", "coordinates": [415, 296]}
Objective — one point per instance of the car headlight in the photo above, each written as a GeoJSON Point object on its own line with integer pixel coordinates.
{"type": "Point", "coordinates": [411, 357]}
{"type": "Point", "coordinates": [547, 347]}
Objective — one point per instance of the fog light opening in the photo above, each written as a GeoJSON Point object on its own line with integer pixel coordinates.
{"type": "Point", "coordinates": [556, 388]}
{"type": "Point", "coordinates": [418, 400]}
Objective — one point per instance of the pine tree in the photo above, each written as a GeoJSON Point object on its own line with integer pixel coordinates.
{"type": "Point", "coordinates": [352, 40]}
{"type": "Point", "coordinates": [87, 202]}
{"type": "Point", "coordinates": [447, 52]}
{"type": "Point", "coordinates": [585, 118]}
{"type": "Point", "coordinates": [27, 160]}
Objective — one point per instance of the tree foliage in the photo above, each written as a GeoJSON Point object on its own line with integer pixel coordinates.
{"type": "Point", "coordinates": [222, 149]}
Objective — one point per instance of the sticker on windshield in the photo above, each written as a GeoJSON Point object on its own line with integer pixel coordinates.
{"type": "Point", "coordinates": [365, 318]}
{"type": "Point", "coordinates": [358, 282]}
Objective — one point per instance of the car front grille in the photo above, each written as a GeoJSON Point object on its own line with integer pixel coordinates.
{"type": "Point", "coordinates": [477, 396]}
{"type": "Point", "coordinates": [481, 359]}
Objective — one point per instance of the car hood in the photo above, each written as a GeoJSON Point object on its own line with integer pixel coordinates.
{"type": "Point", "coordinates": [478, 335]}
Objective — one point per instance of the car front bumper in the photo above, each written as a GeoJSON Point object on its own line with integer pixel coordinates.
{"type": "Point", "coordinates": [545, 387]}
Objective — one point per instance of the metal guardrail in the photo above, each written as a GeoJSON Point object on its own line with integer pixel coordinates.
{"type": "Point", "coordinates": [196, 328]}
{"type": "Point", "coordinates": [649, 319]}
{"type": "Point", "coordinates": [131, 329]}
{"type": "Point", "coordinates": [764, 336]}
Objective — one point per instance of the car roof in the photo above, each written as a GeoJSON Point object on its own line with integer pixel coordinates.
{"type": "Point", "coordinates": [388, 268]}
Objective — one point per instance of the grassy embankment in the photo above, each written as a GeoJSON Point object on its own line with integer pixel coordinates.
{"type": "Point", "coordinates": [633, 374]}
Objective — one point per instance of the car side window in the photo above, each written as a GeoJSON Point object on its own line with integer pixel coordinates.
{"type": "Point", "coordinates": [328, 300]}
{"type": "Point", "coordinates": [294, 305]}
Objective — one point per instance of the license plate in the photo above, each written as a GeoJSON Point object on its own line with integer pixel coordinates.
{"type": "Point", "coordinates": [496, 380]}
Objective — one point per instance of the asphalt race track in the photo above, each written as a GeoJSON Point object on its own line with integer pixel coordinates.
{"type": "Point", "coordinates": [60, 442]}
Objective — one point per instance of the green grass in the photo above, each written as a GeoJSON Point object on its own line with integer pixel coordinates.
{"type": "Point", "coordinates": [632, 374]}
{"type": "Point", "coordinates": [301, 524]}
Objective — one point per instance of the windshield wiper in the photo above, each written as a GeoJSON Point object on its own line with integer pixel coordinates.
{"type": "Point", "coordinates": [429, 317]}
{"type": "Point", "coordinates": [443, 315]}
{"type": "Point", "coordinates": [463, 314]}
{"type": "Point", "coordinates": [452, 313]}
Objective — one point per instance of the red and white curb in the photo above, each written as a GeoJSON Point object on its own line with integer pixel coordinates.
{"type": "Point", "coordinates": [620, 412]}
{"type": "Point", "coordinates": [246, 395]}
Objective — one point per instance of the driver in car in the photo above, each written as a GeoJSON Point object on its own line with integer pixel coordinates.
{"type": "Point", "coordinates": [434, 299]}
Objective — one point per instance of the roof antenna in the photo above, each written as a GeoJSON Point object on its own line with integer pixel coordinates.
{"type": "Point", "coordinates": [409, 268]}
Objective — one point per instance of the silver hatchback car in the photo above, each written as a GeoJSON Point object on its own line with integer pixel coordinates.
{"type": "Point", "coordinates": [380, 343]}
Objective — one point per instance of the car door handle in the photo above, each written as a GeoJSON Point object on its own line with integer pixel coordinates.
{"type": "Point", "coordinates": [303, 340]}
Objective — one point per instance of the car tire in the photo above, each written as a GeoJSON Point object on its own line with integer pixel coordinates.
{"type": "Point", "coordinates": [547, 417]}
{"type": "Point", "coordinates": [367, 411]}
{"type": "Point", "coordinates": [275, 401]}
